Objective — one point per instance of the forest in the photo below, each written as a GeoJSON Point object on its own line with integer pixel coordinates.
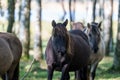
{"type": "Point", "coordinates": [31, 22]}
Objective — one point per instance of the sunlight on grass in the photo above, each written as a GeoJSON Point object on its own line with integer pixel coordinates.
{"type": "Point", "coordinates": [36, 73]}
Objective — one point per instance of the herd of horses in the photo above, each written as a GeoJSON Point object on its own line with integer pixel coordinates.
{"type": "Point", "coordinates": [79, 50]}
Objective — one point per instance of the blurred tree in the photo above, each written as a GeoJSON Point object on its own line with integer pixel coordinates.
{"type": "Point", "coordinates": [64, 11]}
{"type": "Point", "coordinates": [72, 11]}
{"type": "Point", "coordinates": [1, 14]}
{"type": "Point", "coordinates": [101, 11]}
{"type": "Point", "coordinates": [110, 33]}
{"type": "Point", "coordinates": [11, 8]}
{"type": "Point", "coordinates": [25, 26]}
{"type": "Point", "coordinates": [38, 34]}
{"type": "Point", "coordinates": [116, 63]}
{"type": "Point", "coordinates": [94, 9]}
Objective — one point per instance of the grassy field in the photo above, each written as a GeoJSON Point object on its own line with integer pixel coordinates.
{"type": "Point", "coordinates": [38, 73]}
{"type": "Point", "coordinates": [41, 74]}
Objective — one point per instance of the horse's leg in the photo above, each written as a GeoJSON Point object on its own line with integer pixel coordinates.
{"type": "Point", "coordinates": [5, 76]}
{"type": "Point", "coordinates": [11, 72]}
{"type": "Point", "coordinates": [93, 70]}
{"type": "Point", "coordinates": [50, 72]}
{"type": "Point", "coordinates": [79, 74]}
{"type": "Point", "coordinates": [16, 73]}
{"type": "Point", "coordinates": [85, 73]}
{"type": "Point", "coordinates": [65, 72]}
{"type": "Point", "coordinates": [67, 76]}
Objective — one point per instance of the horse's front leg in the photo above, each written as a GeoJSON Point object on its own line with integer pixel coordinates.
{"type": "Point", "coordinates": [50, 72]}
{"type": "Point", "coordinates": [93, 70]}
{"type": "Point", "coordinates": [65, 73]}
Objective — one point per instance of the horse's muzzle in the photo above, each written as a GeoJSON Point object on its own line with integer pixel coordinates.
{"type": "Point", "coordinates": [96, 49]}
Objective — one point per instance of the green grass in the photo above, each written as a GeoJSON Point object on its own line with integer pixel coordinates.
{"type": "Point", "coordinates": [37, 73]}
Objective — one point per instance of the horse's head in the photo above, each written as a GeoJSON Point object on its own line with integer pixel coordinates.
{"type": "Point", "coordinates": [77, 25]}
{"type": "Point", "coordinates": [93, 32]}
{"type": "Point", "coordinates": [60, 37]}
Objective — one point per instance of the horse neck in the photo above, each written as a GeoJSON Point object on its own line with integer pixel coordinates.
{"type": "Point", "coordinates": [69, 47]}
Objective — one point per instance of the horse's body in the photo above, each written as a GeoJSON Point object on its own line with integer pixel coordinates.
{"type": "Point", "coordinates": [10, 54]}
{"type": "Point", "coordinates": [98, 51]}
{"type": "Point", "coordinates": [97, 46]}
{"type": "Point", "coordinates": [73, 56]}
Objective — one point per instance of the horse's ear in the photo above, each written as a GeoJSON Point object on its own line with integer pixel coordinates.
{"type": "Point", "coordinates": [65, 23]}
{"type": "Point", "coordinates": [88, 25]}
{"type": "Point", "coordinates": [99, 25]}
{"type": "Point", "coordinates": [53, 23]}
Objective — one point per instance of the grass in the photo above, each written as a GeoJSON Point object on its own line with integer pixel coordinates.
{"type": "Point", "coordinates": [37, 73]}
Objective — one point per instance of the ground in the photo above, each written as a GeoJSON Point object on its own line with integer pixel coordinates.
{"type": "Point", "coordinates": [36, 73]}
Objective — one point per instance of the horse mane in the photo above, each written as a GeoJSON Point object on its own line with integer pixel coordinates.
{"type": "Point", "coordinates": [69, 48]}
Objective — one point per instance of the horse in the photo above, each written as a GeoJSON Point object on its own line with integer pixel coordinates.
{"type": "Point", "coordinates": [77, 26]}
{"type": "Point", "coordinates": [97, 44]}
{"type": "Point", "coordinates": [66, 52]}
{"type": "Point", "coordinates": [93, 31]}
{"type": "Point", "coordinates": [10, 54]}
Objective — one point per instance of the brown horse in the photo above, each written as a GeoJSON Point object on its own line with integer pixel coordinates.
{"type": "Point", "coordinates": [77, 26]}
{"type": "Point", "coordinates": [93, 31]}
{"type": "Point", "coordinates": [66, 52]}
{"type": "Point", "coordinates": [10, 54]}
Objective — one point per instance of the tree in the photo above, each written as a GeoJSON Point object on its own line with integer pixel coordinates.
{"type": "Point", "coordinates": [63, 7]}
{"type": "Point", "coordinates": [72, 11]}
{"type": "Point", "coordinates": [101, 11]}
{"type": "Point", "coordinates": [94, 9]}
{"type": "Point", "coordinates": [116, 63]}
{"type": "Point", "coordinates": [110, 32]}
{"type": "Point", "coordinates": [11, 8]}
{"type": "Point", "coordinates": [25, 26]}
{"type": "Point", "coordinates": [38, 35]}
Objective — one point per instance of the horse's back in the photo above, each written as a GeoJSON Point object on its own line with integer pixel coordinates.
{"type": "Point", "coordinates": [80, 33]}
{"type": "Point", "coordinates": [14, 43]}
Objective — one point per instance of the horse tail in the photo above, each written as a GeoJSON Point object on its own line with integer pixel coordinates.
{"type": "Point", "coordinates": [16, 73]}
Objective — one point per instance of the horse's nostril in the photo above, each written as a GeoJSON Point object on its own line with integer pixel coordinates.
{"type": "Point", "coordinates": [96, 50]}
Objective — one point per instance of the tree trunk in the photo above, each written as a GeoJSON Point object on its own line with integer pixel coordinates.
{"type": "Point", "coordinates": [101, 11]}
{"type": "Point", "coordinates": [94, 9]}
{"type": "Point", "coordinates": [72, 11]}
{"type": "Point", "coordinates": [11, 8]}
{"type": "Point", "coordinates": [110, 39]}
{"type": "Point", "coordinates": [38, 35]}
{"type": "Point", "coordinates": [25, 26]}
{"type": "Point", "coordinates": [64, 11]}
{"type": "Point", "coordinates": [116, 63]}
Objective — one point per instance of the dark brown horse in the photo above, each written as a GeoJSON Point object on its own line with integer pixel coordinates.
{"type": "Point", "coordinates": [10, 54]}
{"type": "Point", "coordinates": [66, 51]}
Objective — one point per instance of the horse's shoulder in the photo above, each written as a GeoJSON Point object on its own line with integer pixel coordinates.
{"type": "Point", "coordinates": [49, 45]}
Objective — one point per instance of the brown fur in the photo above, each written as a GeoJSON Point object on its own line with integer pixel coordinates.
{"type": "Point", "coordinates": [11, 50]}
{"type": "Point", "coordinates": [95, 58]}
{"type": "Point", "coordinates": [77, 25]}
{"type": "Point", "coordinates": [75, 49]}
